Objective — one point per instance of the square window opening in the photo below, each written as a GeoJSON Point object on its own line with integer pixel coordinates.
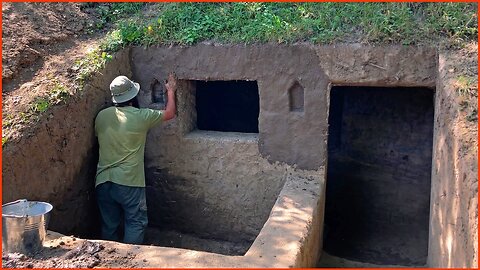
{"type": "Point", "coordinates": [227, 106]}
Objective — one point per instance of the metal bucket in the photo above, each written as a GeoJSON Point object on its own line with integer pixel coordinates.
{"type": "Point", "coordinates": [24, 226]}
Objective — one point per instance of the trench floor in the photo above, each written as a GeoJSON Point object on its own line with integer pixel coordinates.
{"type": "Point", "coordinates": [176, 239]}
{"type": "Point", "coordinates": [330, 261]}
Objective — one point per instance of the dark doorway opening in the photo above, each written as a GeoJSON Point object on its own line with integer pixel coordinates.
{"type": "Point", "coordinates": [378, 177]}
{"type": "Point", "coordinates": [227, 106]}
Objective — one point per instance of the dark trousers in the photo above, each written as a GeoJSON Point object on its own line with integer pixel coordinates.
{"type": "Point", "coordinates": [115, 201]}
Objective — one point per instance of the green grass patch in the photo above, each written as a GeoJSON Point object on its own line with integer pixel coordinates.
{"type": "Point", "coordinates": [92, 62]}
{"type": "Point", "coordinates": [466, 89]}
{"type": "Point", "coordinates": [466, 86]}
{"type": "Point", "coordinates": [455, 21]}
{"type": "Point", "coordinates": [319, 23]}
{"type": "Point", "coordinates": [40, 105]}
{"type": "Point", "coordinates": [111, 12]}
{"type": "Point", "coordinates": [57, 94]}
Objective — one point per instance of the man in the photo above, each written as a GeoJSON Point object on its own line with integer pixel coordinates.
{"type": "Point", "coordinates": [120, 181]}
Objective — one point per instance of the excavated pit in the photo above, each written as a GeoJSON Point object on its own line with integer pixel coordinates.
{"type": "Point", "coordinates": [218, 112]}
{"type": "Point", "coordinates": [250, 181]}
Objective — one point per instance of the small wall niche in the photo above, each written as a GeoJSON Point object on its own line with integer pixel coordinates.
{"type": "Point", "coordinates": [228, 106]}
{"type": "Point", "coordinates": [296, 97]}
{"type": "Point", "coordinates": [158, 92]}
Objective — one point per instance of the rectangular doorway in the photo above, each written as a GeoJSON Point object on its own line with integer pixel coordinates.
{"type": "Point", "coordinates": [378, 177]}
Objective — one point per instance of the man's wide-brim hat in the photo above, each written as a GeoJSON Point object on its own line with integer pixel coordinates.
{"type": "Point", "coordinates": [123, 89]}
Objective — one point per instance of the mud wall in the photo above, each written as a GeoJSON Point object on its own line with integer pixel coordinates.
{"type": "Point", "coordinates": [293, 86]}
{"type": "Point", "coordinates": [453, 230]}
{"type": "Point", "coordinates": [276, 69]}
{"type": "Point", "coordinates": [379, 66]}
{"type": "Point", "coordinates": [200, 174]}
{"type": "Point", "coordinates": [212, 185]}
{"type": "Point", "coordinates": [223, 185]}
{"type": "Point", "coordinates": [56, 160]}
{"type": "Point", "coordinates": [454, 197]}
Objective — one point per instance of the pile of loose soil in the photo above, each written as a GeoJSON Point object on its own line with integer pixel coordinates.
{"type": "Point", "coordinates": [32, 31]}
{"type": "Point", "coordinates": [69, 252]}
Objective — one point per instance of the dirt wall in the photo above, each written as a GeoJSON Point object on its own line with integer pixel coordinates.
{"type": "Point", "coordinates": [294, 84]}
{"type": "Point", "coordinates": [200, 174]}
{"type": "Point", "coordinates": [224, 185]}
{"type": "Point", "coordinates": [300, 140]}
{"type": "Point", "coordinates": [212, 185]}
{"type": "Point", "coordinates": [56, 160]}
{"type": "Point", "coordinates": [385, 66]}
{"type": "Point", "coordinates": [454, 198]}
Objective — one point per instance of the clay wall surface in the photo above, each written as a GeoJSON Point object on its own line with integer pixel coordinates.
{"type": "Point", "coordinates": [218, 184]}
{"type": "Point", "coordinates": [291, 131]}
{"type": "Point", "coordinates": [56, 160]}
{"type": "Point", "coordinates": [385, 66]}
{"type": "Point", "coordinates": [454, 197]}
{"type": "Point", "coordinates": [301, 139]}
{"type": "Point", "coordinates": [291, 237]}
{"type": "Point", "coordinates": [210, 184]}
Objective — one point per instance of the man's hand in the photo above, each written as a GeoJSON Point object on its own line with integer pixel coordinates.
{"type": "Point", "coordinates": [171, 83]}
{"type": "Point", "coordinates": [171, 86]}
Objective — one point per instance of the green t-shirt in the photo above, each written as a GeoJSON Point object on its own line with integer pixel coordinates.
{"type": "Point", "coordinates": [122, 132]}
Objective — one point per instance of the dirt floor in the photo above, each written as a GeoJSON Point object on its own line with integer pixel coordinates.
{"type": "Point", "coordinates": [70, 252]}
{"type": "Point", "coordinates": [42, 41]}
{"type": "Point", "coordinates": [330, 261]}
{"type": "Point", "coordinates": [172, 238]}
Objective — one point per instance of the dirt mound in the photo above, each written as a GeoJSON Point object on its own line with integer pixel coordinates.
{"type": "Point", "coordinates": [33, 30]}
{"type": "Point", "coordinates": [68, 252]}
{"type": "Point", "coordinates": [41, 41]}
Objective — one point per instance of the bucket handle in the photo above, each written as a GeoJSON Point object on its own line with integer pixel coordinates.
{"type": "Point", "coordinates": [10, 203]}
{"type": "Point", "coordinates": [14, 202]}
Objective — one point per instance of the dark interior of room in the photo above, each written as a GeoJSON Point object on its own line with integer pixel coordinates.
{"type": "Point", "coordinates": [378, 176]}
{"type": "Point", "coordinates": [227, 106]}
